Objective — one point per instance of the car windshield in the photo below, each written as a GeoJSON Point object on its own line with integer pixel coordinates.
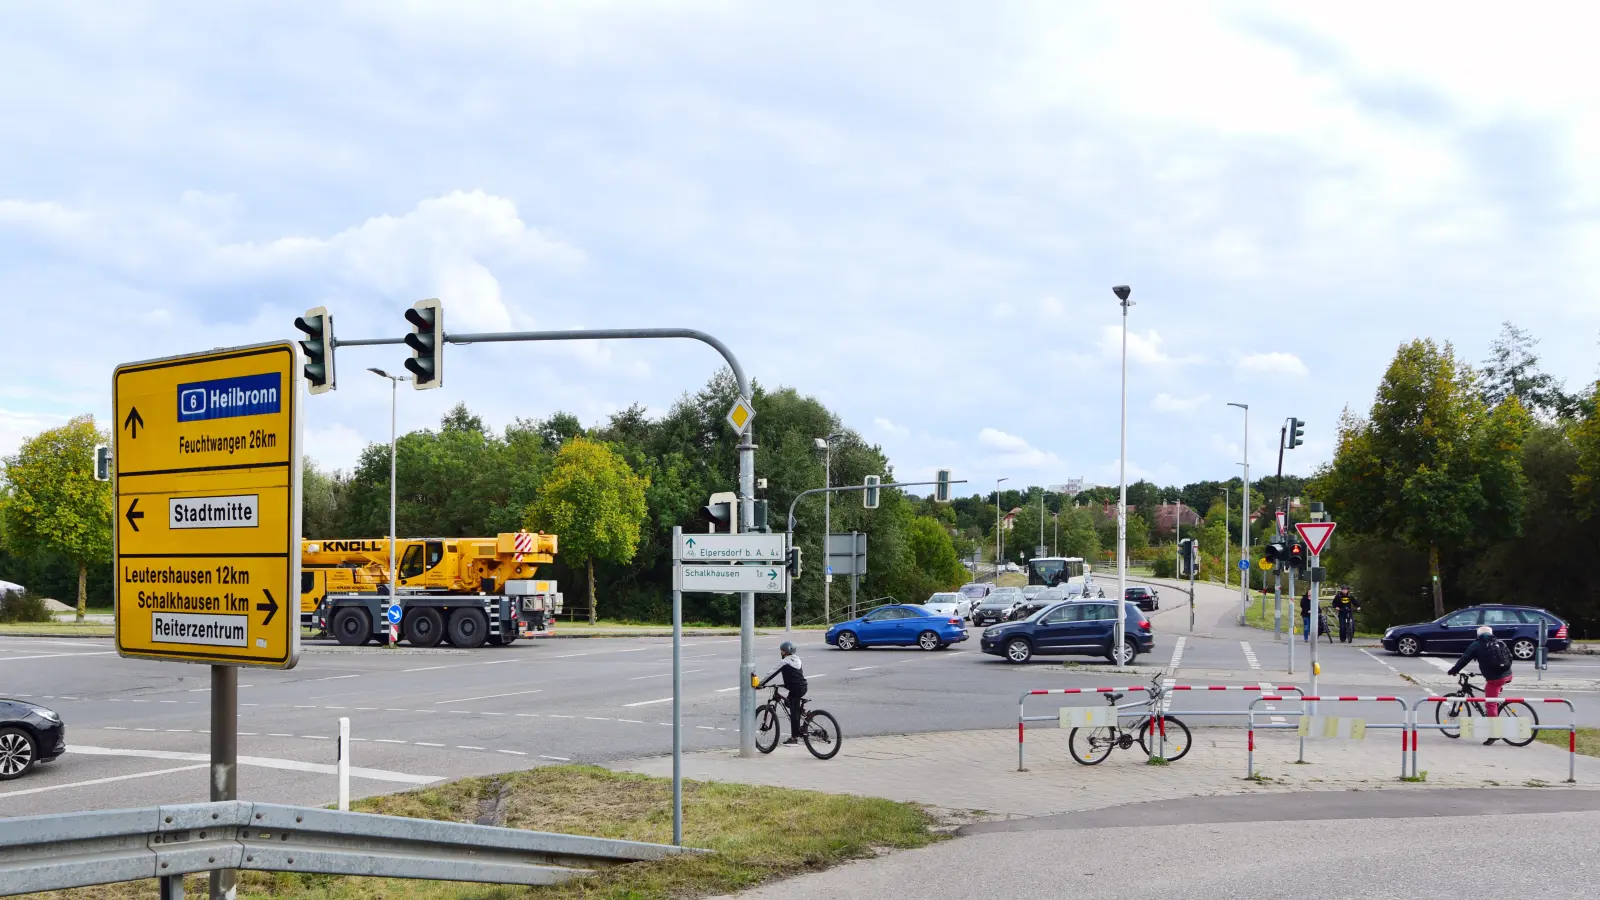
{"type": "Point", "coordinates": [942, 599]}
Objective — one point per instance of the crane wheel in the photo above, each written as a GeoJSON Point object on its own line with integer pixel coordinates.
{"type": "Point", "coordinates": [424, 627]}
{"type": "Point", "coordinates": [469, 628]}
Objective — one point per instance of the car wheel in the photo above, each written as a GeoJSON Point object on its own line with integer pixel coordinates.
{"type": "Point", "coordinates": [1409, 646]}
{"type": "Point", "coordinates": [1019, 650]}
{"type": "Point", "coordinates": [17, 753]}
{"type": "Point", "coordinates": [928, 640]}
{"type": "Point", "coordinates": [351, 627]}
{"type": "Point", "coordinates": [847, 640]}
{"type": "Point", "coordinates": [1130, 652]}
{"type": "Point", "coordinates": [469, 628]}
{"type": "Point", "coordinates": [1523, 649]}
{"type": "Point", "coordinates": [424, 627]}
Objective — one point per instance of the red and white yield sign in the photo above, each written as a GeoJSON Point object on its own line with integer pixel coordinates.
{"type": "Point", "coordinates": [1315, 534]}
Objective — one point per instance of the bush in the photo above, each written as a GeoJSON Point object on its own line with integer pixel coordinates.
{"type": "Point", "coordinates": [23, 606]}
{"type": "Point", "coordinates": [1164, 566]}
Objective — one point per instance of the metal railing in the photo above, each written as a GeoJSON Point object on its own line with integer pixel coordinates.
{"type": "Point", "coordinates": [1022, 709]}
{"type": "Point", "coordinates": [1401, 726]}
{"type": "Point", "coordinates": [56, 852]}
{"type": "Point", "coordinates": [1571, 727]}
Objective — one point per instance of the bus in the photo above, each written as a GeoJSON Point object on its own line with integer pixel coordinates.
{"type": "Point", "coordinates": [1056, 570]}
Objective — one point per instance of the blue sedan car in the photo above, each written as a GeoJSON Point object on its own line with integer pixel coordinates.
{"type": "Point", "coordinates": [901, 625]}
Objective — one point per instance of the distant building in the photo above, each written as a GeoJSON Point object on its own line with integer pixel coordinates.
{"type": "Point", "coordinates": [1167, 514]}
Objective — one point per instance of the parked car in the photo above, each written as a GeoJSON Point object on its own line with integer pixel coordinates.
{"type": "Point", "coordinates": [1518, 626]}
{"type": "Point", "coordinates": [898, 625]}
{"type": "Point", "coordinates": [998, 606]}
{"type": "Point", "coordinates": [1074, 628]}
{"type": "Point", "coordinates": [29, 734]}
{"type": "Point", "coordinates": [1032, 590]}
{"type": "Point", "coordinates": [948, 603]}
{"type": "Point", "coordinates": [1042, 598]}
{"type": "Point", "coordinates": [1146, 597]}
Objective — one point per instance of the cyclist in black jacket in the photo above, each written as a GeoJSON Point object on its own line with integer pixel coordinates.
{"type": "Point", "coordinates": [1494, 661]}
{"type": "Point", "coordinates": [794, 681]}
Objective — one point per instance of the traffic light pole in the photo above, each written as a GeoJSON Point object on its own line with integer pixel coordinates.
{"type": "Point", "coordinates": [747, 467]}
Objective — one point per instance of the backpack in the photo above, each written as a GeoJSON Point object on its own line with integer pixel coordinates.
{"type": "Point", "coordinates": [1496, 657]}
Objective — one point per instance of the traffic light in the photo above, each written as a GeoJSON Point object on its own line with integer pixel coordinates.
{"type": "Point", "coordinates": [1188, 558]}
{"type": "Point", "coordinates": [1297, 433]}
{"type": "Point", "coordinates": [1274, 552]}
{"type": "Point", "coordinates": [941, 493]}
{"type": "Point", "coordinates": [426, 341]}
{"type": "Point", "coordinates": [758, 516]}
{"type": "Point", "coordinates": [794, 562]}
{"type": "Point", "coordinates": [869, 497]}
{"type": "Point", "coordinates": [1295, 555]}
{"type": "Point", "coordinates": [723, 511]}
{"type": "Point", "coordinates": [318, 326]}
{"type": "Point", "coordinates": [102, 462]}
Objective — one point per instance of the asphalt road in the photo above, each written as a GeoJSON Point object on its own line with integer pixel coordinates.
{"type": "Point", "coordinates": [138, 729]}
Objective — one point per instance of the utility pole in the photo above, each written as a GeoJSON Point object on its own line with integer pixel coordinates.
{"type": "Point", "coordinates": [826, 446]}
{"type": "Point", "coordinates": [1122, 292]}
{"type": "Point", "coordinates": [997, 532]}
{"type": "Point", "coordinates": [394, 576]}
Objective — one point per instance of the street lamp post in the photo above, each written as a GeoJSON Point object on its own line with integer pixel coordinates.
{"type": "Point", "coordinates": [826, 446]}
{"type": "Point", "coordinates": [394, 391]}
{"type": "Point", "coordinates": [1123, 291]}
{"type": "Point", "coordinates": [1227, 551]}
{"type": "Point", "coordinates": [997, 527]}
{"type": "Point", "coordinates": [1244, 515]}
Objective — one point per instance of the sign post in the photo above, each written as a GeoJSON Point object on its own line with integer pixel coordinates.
{"type": "Point", "coordinates": [1316, 535]}
{"type": "Point", "coordinates": [207, 498]}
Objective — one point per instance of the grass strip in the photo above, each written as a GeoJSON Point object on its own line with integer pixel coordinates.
{"type": "Point", "coordinates": [1588, 739]}
{"type": "Point", "coordinates": [759, 834]}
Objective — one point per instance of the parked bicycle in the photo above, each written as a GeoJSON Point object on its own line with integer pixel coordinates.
{"type": "Point", "coordinates": [1091, 746]}
{"type": "Point", "coordinates": [1444, 713]}
{"type": "Point", "coordinates": [818, 728]}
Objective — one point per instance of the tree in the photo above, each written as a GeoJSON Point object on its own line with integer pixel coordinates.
{"type": "Point", "coordinates": [594, 502]}
{"type": "Point", "coordinates": [1079, 536]}
{"type": "Point", "coordinates": [934, 555]}
{"type": "Point", "coordinates": [54, 505]}
{"type": "Point", "coordinates": [1586, 441]}
{"type": "Point", "coordinates": [1433, 466]}
{"type": "Point", "coordinates": [1512, 370]}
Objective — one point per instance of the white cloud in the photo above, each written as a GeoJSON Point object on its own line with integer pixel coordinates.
{"type": "Point", "coordinates": [1274, 363]}
{"type": "Point", "coordinates": [1008, 451]}
{"type": "Point", "coordinates": [16, 427]}
{"type": "Point", "coordinates": [1144, 349]}
{"type": "Point", "coordinates": [1167, 403]}
{"type": "Point", "coordinates": [890, 428]}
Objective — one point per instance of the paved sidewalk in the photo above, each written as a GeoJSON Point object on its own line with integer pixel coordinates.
{"type": "Point", "coordinates": [969, 771]}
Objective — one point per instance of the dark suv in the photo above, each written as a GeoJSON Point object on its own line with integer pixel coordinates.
{"type": "Point", "coordinates": [1518, 626]}
{"type": "Point", "coordinates": [1076, 628]}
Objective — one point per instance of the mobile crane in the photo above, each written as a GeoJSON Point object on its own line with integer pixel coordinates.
{"type": "Point", "coordinates": [470, 590]}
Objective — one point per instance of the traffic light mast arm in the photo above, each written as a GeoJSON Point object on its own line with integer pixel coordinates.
{"type": "Point", "coordinates": [858, 487]}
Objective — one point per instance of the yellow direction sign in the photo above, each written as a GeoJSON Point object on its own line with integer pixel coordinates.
{"type": "Point", "coordinates": [208, 507]}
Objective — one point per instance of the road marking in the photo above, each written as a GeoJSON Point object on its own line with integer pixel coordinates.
{"type": "Point", "coordinates": [431, 668]}
{"type": "Point", "coordinates": [665, 674]}
{"type": "Point", "coordinates": [1177, 653]}
{"type": "Point", "coordinates": [426, 744]}
{"type": "Point", "coordinates": [527, 715]}
{"type": "Point", "coordinates": [512, 752]}
{"type": "Point", "coordinates": [568, 655]}
{"type": "Point", "coordinates": [1439, 664]}
{"type": "Point", "coordinates": [265, 762]}
{"type": "Point", "coordinates": [489, 697]}
{"type": "Point", "coordinates": [54, 655]}
{"type": "Point", "coordinates": [179, 730]}
{"type": "Point", "coordinates": [814, 677]}
{"type": "Point", "coordinates": [95, 781]}
{"type": "Point", "coordinates": [634, 721]}
{"type": "Point", "coordinates": [662, 700]}
{"type": "Point", "coordinates": [1267, 690]}
{"type": "Point", "coordinates": [556, 758]}
{"type": "Point", "coordinates": [333, 707]}
{"type": "Point", "coordinates": [315, 737]}
{"type": "Point", "coordinates": [1249, 655]}
{"type": "Point", "coordinates": [1381, 662]}
{"type": "Point", "coordinates": [725, 690]}
{"type": "Point", "coordinates": [633, 650]}
{"type": "Point", "coordinates": [392, 741]}
{"type": "Point", "coordinates": [596, 719]}
{"type": "Point", "coordinates": [467, 747]}
{"type": "Point", "coordinates": [335, 677]}
{"type": "Point", "coordinates": [862, 668]}
{"type": "Point", "coordinates": [278, 734]}
{"type": "Point", "coordinates": [559, 716]}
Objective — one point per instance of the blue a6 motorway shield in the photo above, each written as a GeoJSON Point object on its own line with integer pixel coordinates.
{"type": "Point", "coordinates": [225, 398]}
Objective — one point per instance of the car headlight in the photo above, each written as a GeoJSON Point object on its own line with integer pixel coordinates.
{"type": "Point", "coordinates": [1388, 633]}
{"type": "Point", "coordinates": [46, 714]}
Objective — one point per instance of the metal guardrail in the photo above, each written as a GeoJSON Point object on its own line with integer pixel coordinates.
{"type": "Point", "coordinates": [55, 852]}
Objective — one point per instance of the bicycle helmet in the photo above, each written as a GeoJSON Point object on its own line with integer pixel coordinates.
{"type": "Point", "coordinates": [1485, 631]}
{"type": "Point", "coordinates": [786, 648]}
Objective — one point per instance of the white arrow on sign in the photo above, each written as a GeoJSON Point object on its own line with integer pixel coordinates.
{"type": "Point", "coordinates": [730, 548]}
{"type": "Point", "coordinates": [726, 579]}
{"type": "Point", "coordinates": [1315, 534]}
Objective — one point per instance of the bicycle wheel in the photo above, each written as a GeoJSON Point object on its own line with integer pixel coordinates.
{"type": "Point", "coordinates": [1442, 715]}
{"type": "Point", "coordinates": [1519, 710]}
{"type": "Point", "coordinates": [766, 729]}
{"type": "Point", "coordinates": [1175, 744]}
{"type": "Point", "coordinates": [822, 735]}
{"type": "Point", "coordinates": [1091, 746]}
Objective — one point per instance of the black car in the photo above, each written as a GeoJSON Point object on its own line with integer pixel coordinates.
{"type": "Point", "coordinates": [1145, 597]}
{"type": "Point", "coordinates": [29, 734]}
{"type": "Point", "coordinates": [1075, 628]}
{"type": "Point", "coordinates": [997, 607]}
{"type": "Point", "coordinates": [1518, 626]}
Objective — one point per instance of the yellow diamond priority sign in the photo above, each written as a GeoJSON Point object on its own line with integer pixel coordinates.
{"type": "Point", "coordinates": [207, 496]}
{"type": "Point", "coordinates": [740, 415]}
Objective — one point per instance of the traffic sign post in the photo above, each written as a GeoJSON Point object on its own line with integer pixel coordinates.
{"type": "Point", "coordinates": [730, 548]}
{"type": "Point", "coordinates": [717, 578]}
{"type": "Point", "coordinates": [207, 499]}
{"type": "Point", "coordinates": [394, 614]}
{"type": "Point", "coordinates": [1316, 536]}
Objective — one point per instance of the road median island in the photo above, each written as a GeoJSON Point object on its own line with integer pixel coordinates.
{"type": "Point", "coordinates": [757, 835]}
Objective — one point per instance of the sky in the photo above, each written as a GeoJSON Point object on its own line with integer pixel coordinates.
{"type": "Point", "coordinates": [913, 211]}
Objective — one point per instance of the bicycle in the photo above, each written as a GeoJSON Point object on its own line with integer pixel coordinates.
{"type": "Point", "coordinates": [1091, 746]}
{"type": "Point", "coordinates": [819, 729]}
{"type": "Point", "coordinates": [1516, 709]}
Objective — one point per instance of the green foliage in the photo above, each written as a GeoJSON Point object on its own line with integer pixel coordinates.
{"type": "Point", "coordinates": [23, 606]}
{"type": "Point", "coordinates": [934, 557]}
{"type": "Point", "coordinates": [1586, 468]}
{"type": "Point", "coordinates": [594, 502]}
{"type": "Point", "coordinates": [53, 504]}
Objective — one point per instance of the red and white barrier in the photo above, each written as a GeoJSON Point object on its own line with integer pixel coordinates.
{"type": "Point", "coordinates": [1402, 726]}
{"type": "Point", "coordinates": [1571, 727]}
{"type": "Point", "coordinates": [1022, 711]}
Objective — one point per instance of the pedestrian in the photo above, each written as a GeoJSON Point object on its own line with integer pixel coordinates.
{"type": "Point", "coordinates": [1346, 605]}
{"type": "Point", "coordinates": [1305, 613]}
{"type": "Point", "coordinates": [1494, 661]}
